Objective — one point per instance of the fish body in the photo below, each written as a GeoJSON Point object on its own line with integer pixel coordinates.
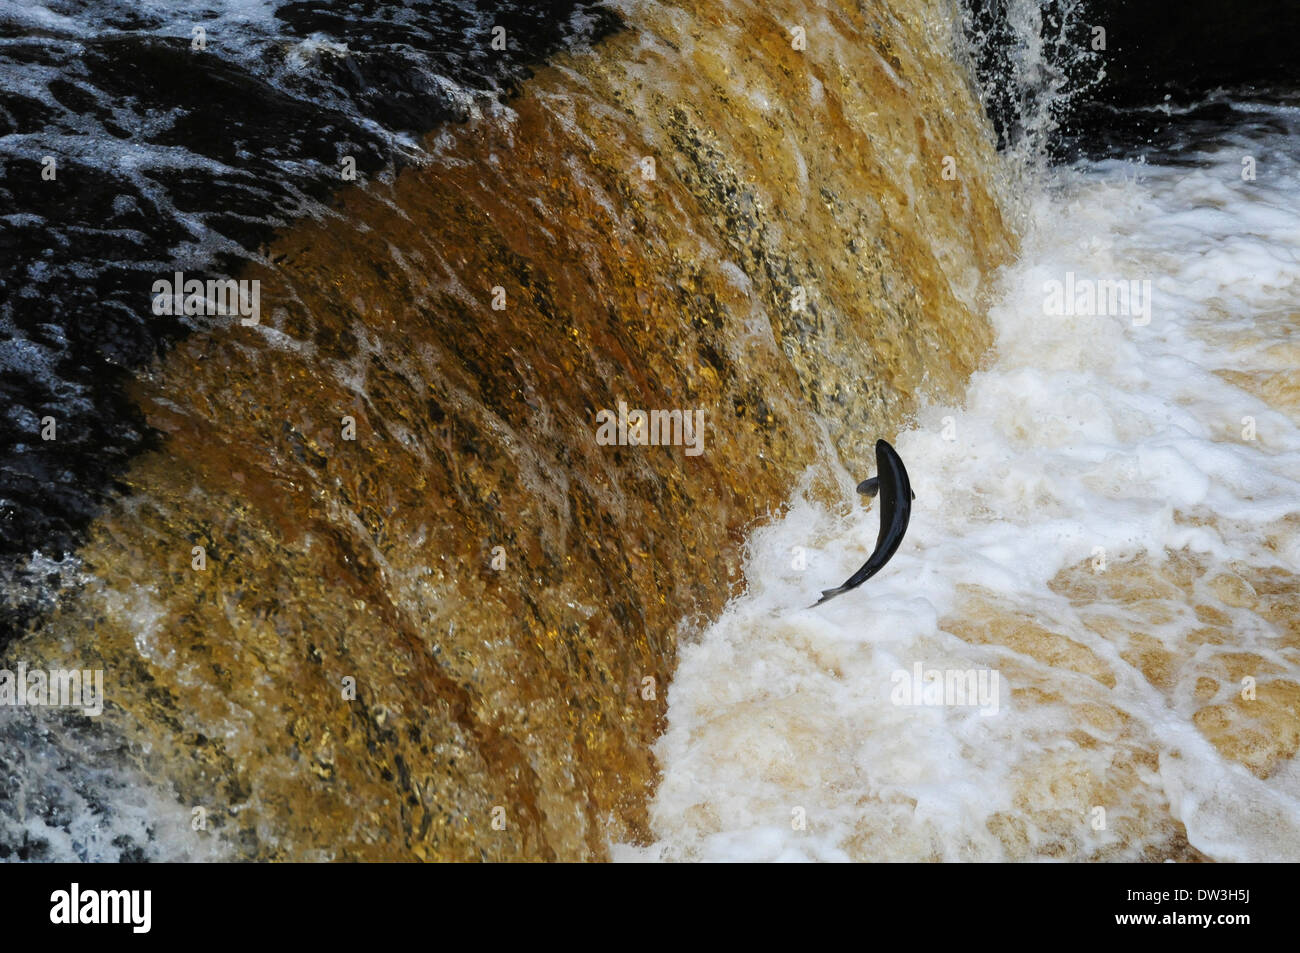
{"type": "Point", "coordinates": [896, 496]}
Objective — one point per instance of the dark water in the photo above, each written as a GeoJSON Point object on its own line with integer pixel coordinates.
{"type": "Point", "coordinates": [1094, 79]}
{"type": "Point", "coordinates": [170, 157]}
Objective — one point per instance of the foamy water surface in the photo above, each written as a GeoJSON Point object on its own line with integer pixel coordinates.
{"type": "Point", "coordinates": [1111, 523]}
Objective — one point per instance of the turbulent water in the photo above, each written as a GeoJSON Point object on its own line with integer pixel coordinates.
{"type": "Point", "coordinates": [379, 592]}
{"type": "Point", "coordinates": [365, 584]}
{"type": "Point", "coordinates": [1107, 520]}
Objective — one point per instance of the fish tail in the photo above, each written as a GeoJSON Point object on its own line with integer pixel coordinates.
{"type": "Point", "coordinates": [828, 595]}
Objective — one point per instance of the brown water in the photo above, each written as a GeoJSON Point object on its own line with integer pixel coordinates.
{"type": "Point", "coordinates": [505, 594]}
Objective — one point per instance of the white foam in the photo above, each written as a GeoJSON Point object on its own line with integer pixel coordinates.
{"type": "Point", "coordinates": [167, 17]}
{"type": "Point", "coordinates": [1084, 432]}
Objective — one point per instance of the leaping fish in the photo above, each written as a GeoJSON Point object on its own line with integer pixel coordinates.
{"type": "Point", "coordinates": [896, 498]}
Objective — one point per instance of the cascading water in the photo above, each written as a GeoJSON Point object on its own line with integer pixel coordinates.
{"type": "Point", "coordinates": [1090, 650]}
{"type": "Point", "coordinates": [364, 578]}
{"type": "Point", "coordinates": [379, 590]}
{"type": "Point", "coordinates": [1107, 521]}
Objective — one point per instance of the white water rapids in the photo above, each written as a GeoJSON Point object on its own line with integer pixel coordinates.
{"type": "Point", "coordinates": [1093, 525]}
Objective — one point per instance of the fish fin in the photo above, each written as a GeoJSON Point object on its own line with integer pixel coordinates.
{"type": "Point", "coordinates": [869, 486]}
{"type": "Point", "coordinates": [913, 494]}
